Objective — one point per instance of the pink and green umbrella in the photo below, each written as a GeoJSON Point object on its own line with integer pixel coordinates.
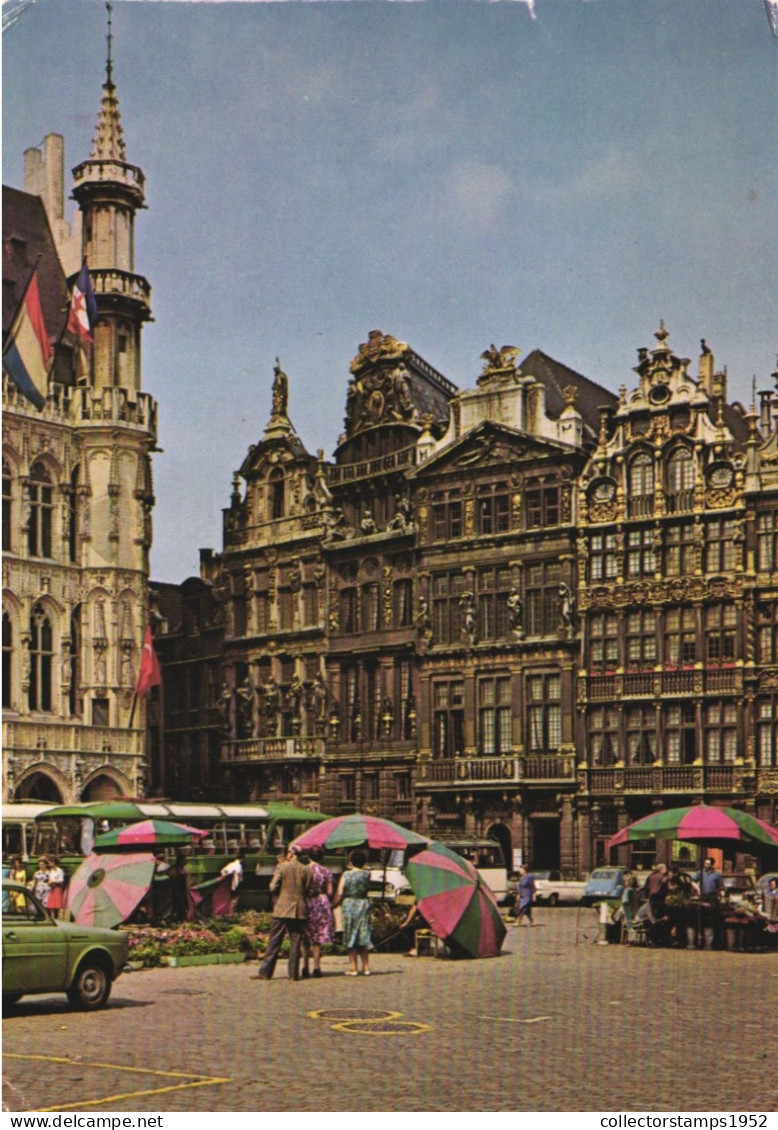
{"type": "Point", "coordinates": [357, 830]}
{"type": "Point", "coordinates": [105, 889]}
{"type": "Point", "coordinates": [149, 833]}
{"type": "Point", "coordinates": [699, 824]}
{"type": "Point", "coordinates": [455, 901]}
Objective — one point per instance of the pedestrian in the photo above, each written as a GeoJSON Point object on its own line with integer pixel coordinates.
{"type": "Point", "coordinates": [39, 884]}
{"type": "Point", "coordinates": [320, 926]}
{"type": "Point", "coordinates": [19, 875]}
{"type": "Point", "coordinates": [655, 889]}
{"type": "Point", "coordinates": [525, 896]}
{"type": "Point", "coordinates": [234, 870]}
{"type": "Point", "coordinates": [56, 899]}
{"type": "Point", "coordinates": [352, 897]}
{"type": "Point", "coordinates": [294, 883]}
{"type": "Point", "coordinates": [711, 885]}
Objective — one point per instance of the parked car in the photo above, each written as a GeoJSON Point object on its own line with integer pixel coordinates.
{"type": "Point", "coordinates": [45, 955]}
{"type": "Point", "coordinates": [604, 883]}
{"type": "Point", "coordinates": [553, 890]}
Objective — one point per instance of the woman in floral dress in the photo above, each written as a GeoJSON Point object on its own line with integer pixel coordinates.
{"type": "Point", "coordinates": [39, 884]}
{"type": "Point", "coordinates": [352, 896]}
{"type": "Point", "coordinates": [319, 928]}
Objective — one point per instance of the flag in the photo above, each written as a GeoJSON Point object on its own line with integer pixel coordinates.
{"type": "Point", "coordinates": [83, 307]}
{"type": "Point", "coordinates": [27, 353]}
{"type": "Point", "coordinates": [149, 674]}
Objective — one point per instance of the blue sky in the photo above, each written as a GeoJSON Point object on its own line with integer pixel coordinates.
{"type": "Point", "coordinates": [453, 172]}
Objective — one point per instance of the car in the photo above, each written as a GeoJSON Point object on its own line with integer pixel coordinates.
{"type": "Point", "coordinates": [42, 954]}
{"type": "Point", "coordinates": [604, 883]}
{"type": "Point", "coordinates": [553, 890]}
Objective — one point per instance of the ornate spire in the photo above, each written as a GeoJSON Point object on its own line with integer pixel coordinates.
{"type": "Point", "coordinates": [108, 142]}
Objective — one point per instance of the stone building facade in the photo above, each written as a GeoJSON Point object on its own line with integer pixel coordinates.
{"type": "Point", "coordinates": [77, 491]}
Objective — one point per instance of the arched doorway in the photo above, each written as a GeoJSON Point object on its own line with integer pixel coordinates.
{"type": "Point", "coordinates": [502, 835]}
{"type": "Point", "coordinates": [40, 787]}
{"type": "Point", "coordinates": [101, 788]}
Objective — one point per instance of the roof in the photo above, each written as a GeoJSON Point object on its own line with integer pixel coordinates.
{"type": "Point", "coordinates": [27, 235]}
{"type": "Point", "coordinates": [556, 376]}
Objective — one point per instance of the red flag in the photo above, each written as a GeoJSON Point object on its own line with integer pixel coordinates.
{"type": "Point", "coordinates": [149, 674]}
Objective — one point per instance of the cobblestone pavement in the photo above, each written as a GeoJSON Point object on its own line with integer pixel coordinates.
{"type": "Point", "coordinates": [555, 1023]}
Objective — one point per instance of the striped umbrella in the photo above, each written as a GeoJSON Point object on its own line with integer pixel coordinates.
{"type": "Point", "coordinates": [149, 832]}
{"type": "Point", "coordinates": [455, 901]}
{"type": "Point", "coordinates": [105, 889]}
{"type": "Point", "coordinates": [699, 824]}
{"type": "Point", "coordinates": [355, 830]}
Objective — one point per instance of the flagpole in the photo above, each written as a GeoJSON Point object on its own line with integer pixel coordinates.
{"type": "Point", "coordinates": [132, 709]}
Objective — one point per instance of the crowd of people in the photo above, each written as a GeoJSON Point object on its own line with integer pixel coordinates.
{"type": "Point", "coordinates": [674, 908]}
{"type": "Point", "coordinates": [48, 882]}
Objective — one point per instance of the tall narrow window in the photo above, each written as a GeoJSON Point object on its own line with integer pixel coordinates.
{"type": "Point", "coordinates": [680, 734]}
{"type": "Point", "coordinates": [602, 557]}
{"type": "Point", "coordinates": [370, 608]}
{"type": "Point", "coordinates": [767, 731]}
{"type": "Point", "coordinates": [604, 642]}
{"type": "Point", "coordinates": [766, 541]}
{"type": "Point", "coordinates": [680, 637]}
{"type": "Point", "coordinates": [720, 626]}
{"type": "Point", "coordinates": [448, 718]}
{"type": "Point", "coordinates": [679, 550]}
{"type": "Point", "coordinates": [494, 586]}
{"type": "Point", "coordinates": [8, 640]}
{"type": "Point", "coordinates": [494, 716]}
{"type": "Point", "coordinates": [76, 663]}
{"type": "Point", "coordinates": [447, 517]}
{"type": "Point", "coordinates": [542, 505]}
{"type": "Point", "coordinates": [720, 720]}
{"type": "Point", "coordinates": [347, 603]}
{"type": "Point", "coordinates": [276, 488]}
{"type": "Point", "coordinates": [542, 598]}
{"type": "Point", "coordinates": [641, 560]}
{"type": "Point", "coordinates": [447, 589]}
{"type": "Point", "coordinates": [641, 486]}
{"type": "Point", "coordinates": [41, 508]}
{"type": "Point", "coordinates": [641, 735]}
{"type": "Point", "coordinates": [544, 713]}
{"type": "Point", "coordinates": [767, 633]}
{"type": "Point", "coordinates": [402, 603]}
{"type": "Point", "coordinates": [41, 659]}
{"type": "Point", "coordinates": [604, 736]}
{"type": "Point", "coordinates": [720, 554]}
{"type": "Point", "coordinates": [8, 515]}
{"type": "Point", "coordinates": [640, 640]}
{"type": "Point", "coordinates": [680, 481]}
{"type": "Point", "coordinates": [493, 509]}
{"type": "Point", "coordinates": [73, 517]}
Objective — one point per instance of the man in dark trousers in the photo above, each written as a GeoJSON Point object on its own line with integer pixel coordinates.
{"type": "Point", "coordinates": [294, 883]}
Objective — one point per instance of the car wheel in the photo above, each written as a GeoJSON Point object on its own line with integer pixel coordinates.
{"type": "Point", "coordinates": [553, 900]}
{"type": "Point", "coordinates": [91, 986]}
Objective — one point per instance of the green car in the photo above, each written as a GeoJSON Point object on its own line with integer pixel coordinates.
{"type": "Point", "coordinates": [44, 955]}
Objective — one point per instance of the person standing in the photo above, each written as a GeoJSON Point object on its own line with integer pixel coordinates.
{"type": "Point", "coordinates": [18, 873]}
{"type": "Point", "coordinates": [294, 883]}
{"type": "Point", "coordinates": [320, 927]}
{"type": "Point", "coordinates": [352, 896]}
{"type": "Point", "coordinates": [711, 884]}
{"type": "Point", "coordinates": [39, 884]}
{"type": "Point", "coordinates": [526, 896]}
{"type": "Point", "coordinates": [56, 899]}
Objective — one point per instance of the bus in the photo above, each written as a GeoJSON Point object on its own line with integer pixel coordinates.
{"type": "Point", "coordinates": [264, 830]}
{"type": "Point", "coordinates": [19, 828]}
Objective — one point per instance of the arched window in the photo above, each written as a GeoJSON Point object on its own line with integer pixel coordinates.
{"type": "Point", "coordinates": [680, 480]}
{"type": "Point", "coordinates": [641, 486]}
{"type": "Point", "coordinates": [41, 509]}
{"type": "Point", "coordinates": [8, 522]}
{"type": "Point", "coordinates": [41, 659]}
{"type": "Point", "coordinates": [276, 485]}
{"type": "Point", "coordinates": [8, 639]}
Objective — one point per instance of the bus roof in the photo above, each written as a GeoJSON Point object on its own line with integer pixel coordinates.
{"type": "Point", "coordinates": [23, 810]}
{"type": "Point", "coordinates": [138, 810]}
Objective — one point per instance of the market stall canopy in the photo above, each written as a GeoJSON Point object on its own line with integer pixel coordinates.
{"type": "Point", "coordinates": [106, 889]}
{"type": "Point", "coordinates": [150, 832]}
{"type": "Point", "coordinates": [699, 824]}
{"type": "Point", "coordinates": [357, 830]}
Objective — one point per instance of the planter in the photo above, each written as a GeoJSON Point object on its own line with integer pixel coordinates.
{"type": "Point", "coordinates": [203, 959]}
{"type": "Point", "coordinates": [231, 958]}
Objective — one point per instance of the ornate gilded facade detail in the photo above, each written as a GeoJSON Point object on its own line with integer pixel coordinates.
{"type": "Point", "coordinates": [469, 523]}
{"type": "Point", "coordinates": [387, 574]}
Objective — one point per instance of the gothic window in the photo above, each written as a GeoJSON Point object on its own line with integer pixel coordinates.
{"type": "Point", "coordinates": [285, 608]}
{"type": "Point", "coordinates": [402, 603]}
{"type": "Point", "coordinates": [602, 557]}
{"type": "Point", "coordinates": [680, 734]}
{"type": "Point", "coordinates": [7, 661]}
{"type": "Point", "coordinates": [604, 736]}
{"type": "Point", "coordinates": [640, 640]}
{"type": "Point", "coordinates": [447, 517]}
{"type": "Point", "coordinates": [494, 515]}
{"type": "Point", "coordinates": [641, 486]}
{"type": "Point", "coordinates": [370, 621]}
{"type": "Point", "coordinates": [604, 642]}
{"type": "Point", "coordinates": [767, 633]}
{"type": "Point", "coordinates": [766, 541]}
{"type": "Point", "coordinates": [767, 732]}
{"type": "Point", "coordinates": [544, 713]}
{"type": "Point", "coordinates": [8, 515]}
{"type": "Point", "coordinates": [448, 717]}
{"type": "Point", "coordinates": [542, 598]}
{"type": "Point", "coordinates": [275, 482]}
{"type": "Point", "coordinates": [680, 481]}
{"type": "Point", "coordinates": [100, 712]}
{"type": "Point", "coordinates": [641, 735]}
{"type": "Point", "coordinates": [542, 507]}
{"type": "Point", "coordinates": [494, 586]}
{"type": "Point", "coordinates": [41, 660]}
{"type": "Point", "coordinates": [679, 550]}
{"type": "Point", "coordinates": [720, 545]}
{"type": "Point", "coordinates": [720, 625]}
{"type": "Point", "coordinates": [41, 510]}
{"type": "Point", "coordinates": [641, 560]}
{"type": "Point", "coordinates": [73, 517]}
{"type": "Point", "coordinates": [680, 637]}
{"type": "Point", "coordinates": [348, 610]}
{"type": "Point", "coordinates": [494, 716]}
{"type": "Point", "coordinates": [310, 606]}
{"type": "Point", "coordinates": [446, 613]}
{"type": "Point", "coordinates": [720, 722]}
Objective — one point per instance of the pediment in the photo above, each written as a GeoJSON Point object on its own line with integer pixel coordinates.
{"type": "Point", "coordinates": [286, 451]}
{"type": "Point", "coordinates": [488, 445]}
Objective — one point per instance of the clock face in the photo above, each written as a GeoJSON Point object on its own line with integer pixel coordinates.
{"type": "Point", "coordinates": [720, 477]}
{"type": "Point", "coordinates": [603, 492]}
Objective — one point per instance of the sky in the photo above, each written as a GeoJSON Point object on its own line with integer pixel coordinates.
{"type": "Point", "coordinates": [557, 175]}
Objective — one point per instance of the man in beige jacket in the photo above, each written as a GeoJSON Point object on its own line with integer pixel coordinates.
{"type": "Point", "coordinates": [294, 883]}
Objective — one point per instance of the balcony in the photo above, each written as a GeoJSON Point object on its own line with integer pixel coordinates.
{"type": "Point", "coordinates": [495, 770]}
{"type": "Point", "coordinates": [114, 405]}
{"type": "Point", "coordinates": [658, 779]}
{"type": "Point", "coordinates": [252, 750]}
{"type": "Point", "coordinates": [66, 737]}
{"type": "Point", "coordinates": [642, 684]}
{"type": "Point", "coordinates": [403, 459]}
